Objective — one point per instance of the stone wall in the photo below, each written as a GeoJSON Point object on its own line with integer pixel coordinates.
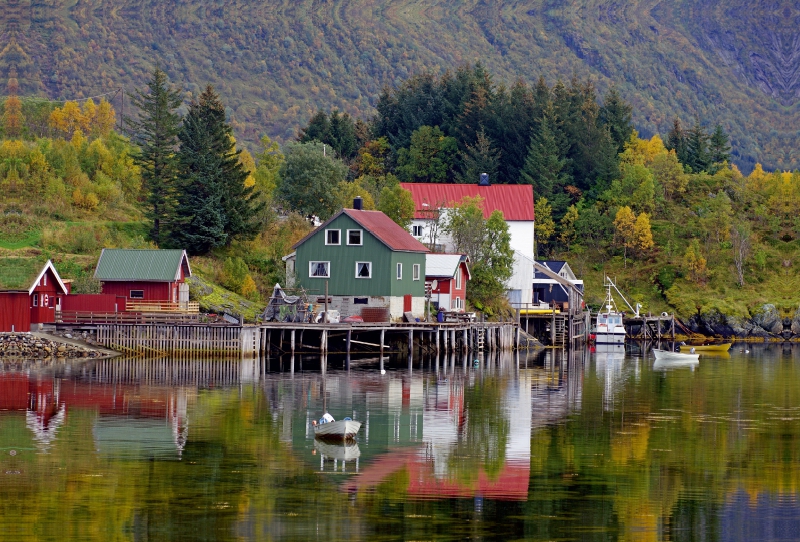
{"type": "Point", "coordinates": [25, 345]}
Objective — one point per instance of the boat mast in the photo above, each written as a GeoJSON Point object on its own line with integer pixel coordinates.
{"type": "Point", "coordinates": [609, 285]}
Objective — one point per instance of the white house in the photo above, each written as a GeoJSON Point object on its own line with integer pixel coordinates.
{"type": "Point", "coordinates": [433, 200]}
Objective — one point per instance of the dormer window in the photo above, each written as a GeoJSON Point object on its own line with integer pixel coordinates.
{"type": "Point", "coordinates": [333, 237]}
{"type": "Point", "coordinates": [354, 237]}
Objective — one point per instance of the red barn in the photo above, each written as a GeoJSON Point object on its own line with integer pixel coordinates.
{"type": "Point", "coordinates": [147, 278]}
{"type": "Point", "coordinates": [451, 274]}
{"type": "Point", "coordinates": [30, 293]}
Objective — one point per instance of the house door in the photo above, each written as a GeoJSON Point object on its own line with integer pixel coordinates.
{"type": "Point", "coordinates": [406, 303]}
{"type": "Point", "coordinates": [183, 295]}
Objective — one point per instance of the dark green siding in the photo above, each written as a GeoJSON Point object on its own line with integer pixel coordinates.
{"type": "Point", "coordinates": [343, 260]}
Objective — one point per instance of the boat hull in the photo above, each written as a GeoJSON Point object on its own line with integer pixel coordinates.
{"type": "Point", "coordinates": [609, 337]}
{"type": "Point", "coordinates": [340, 430]}
{"type": "Point", "coordinates": [666, 355]}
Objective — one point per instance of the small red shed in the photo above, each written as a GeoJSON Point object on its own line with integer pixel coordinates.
{"type": "Point", "coordinates": [451, 273]}
{"type": "Point", "coordinates": [30, 293]}
{"type": "Point", "coordinates": [145, 277]}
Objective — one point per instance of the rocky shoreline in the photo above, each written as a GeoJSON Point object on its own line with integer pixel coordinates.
{"type": "Point", "coordinates": [766, 324]}
{"type": "Point", "coordinates": [26, 345]}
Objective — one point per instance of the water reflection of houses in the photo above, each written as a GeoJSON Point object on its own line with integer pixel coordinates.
{"type": "Point", "coordinates": [132, 420]}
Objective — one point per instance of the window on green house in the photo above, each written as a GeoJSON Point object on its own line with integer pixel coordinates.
{"type": "Point", "coordinates": [333, 237]}
{"type": "Point", "coordinates": [363, 270]}
{"type": "Point", "coordinates": [354, 237]}
{"type": "Point", "coordinates": [415, 274]}
{"type": "Point", "coordinates": [399, 271]}
{"type": "Point", "coordinates": [319, 269]}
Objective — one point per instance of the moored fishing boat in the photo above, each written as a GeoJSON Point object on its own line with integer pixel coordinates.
{"type": "Point", "coordinates": [609, 328]}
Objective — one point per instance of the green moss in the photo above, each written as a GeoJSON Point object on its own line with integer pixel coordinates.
{"type": "Point", "coordinates": [218, 300]}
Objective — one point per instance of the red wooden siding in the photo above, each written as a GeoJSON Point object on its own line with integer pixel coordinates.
{"type": "Point", "coordinates": [153, 291]}
{"type": "Point", "coordinates": [15, 311]}
{"type": "Point", "coordinates": [93, 303]}
{"type": "Point", "coordinates": [443, 286]}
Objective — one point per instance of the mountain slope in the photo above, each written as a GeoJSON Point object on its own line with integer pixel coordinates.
{"type": "Point", "coordinates": [276, 62]}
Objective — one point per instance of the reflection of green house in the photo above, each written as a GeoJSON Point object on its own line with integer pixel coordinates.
{"type": "Point", "coordinates": [137, 438]}
{"type": "Point", "coordinates": [367, 262]}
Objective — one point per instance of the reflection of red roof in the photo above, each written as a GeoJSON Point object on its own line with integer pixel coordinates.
{"type": "Point", "coordinates": [515, 200]}
{"type": "Point", "coordinates": [511, 483]}
{"type": "Point", "coordinates": [381, 226]}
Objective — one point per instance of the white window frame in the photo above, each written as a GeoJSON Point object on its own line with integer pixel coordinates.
{"type": "Point", "coordinates": [360, 238]}
{"type": "Point", "coordinates": [35, 300]}
{"type": "Point", "coordinates": [415, 272]}
{"type": "Point", "coordinates": [369, 266]}
{"type": "Point", "coordinates": [457, 303]}
{"type": "Point", "coordinates": [399, 271]}
{"type": "Point", "coordinates": [44, 279]}
{"type": "Point", "coordinates": [311, 274]}
{"type": "Point", "coordinates": [417, 230]}
{"type": "Point", "coordinates": [458, 278]}
{"type": "Point", "coordinates": [339, 233]}
{"type": "Point", "coordinates": [131, 296]}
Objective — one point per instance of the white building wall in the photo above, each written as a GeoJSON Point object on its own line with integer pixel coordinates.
{"type": "Point", "coordinates": [521, 233]}
{"type": "Point", "coordinates": [520, 285]}
{"type": "Point", "coordinates": [344, 304]}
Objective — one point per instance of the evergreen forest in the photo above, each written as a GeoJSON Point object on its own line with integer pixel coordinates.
{"type": "Point", "coordinates": [679, 227]}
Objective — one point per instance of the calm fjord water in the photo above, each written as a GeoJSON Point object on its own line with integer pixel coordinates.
{"type": "Point", "coordinates": [590, 446]}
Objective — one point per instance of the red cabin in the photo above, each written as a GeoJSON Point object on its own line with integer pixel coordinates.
{"type": "Point", "coordinates": [30, 293]}
{"type": "Point", "coordinates": [451, 273]}
{"type": "Point", "coordinates": [147, 279]}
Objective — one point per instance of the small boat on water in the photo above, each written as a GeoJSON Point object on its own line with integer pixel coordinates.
{"type": "Point", "coordinates": [705, 347]}
{"type": "Point", "coordinates": [675, 356]}
{"type": "Point", "coordinates": [609, 328]}
{"type": "Point", "coordinates": [328, 428]}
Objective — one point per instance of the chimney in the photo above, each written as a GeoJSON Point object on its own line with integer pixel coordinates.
{"type": "Point", "coordinates": [358, 203]}
{"type": "Point", "coordinates": [484, 180]}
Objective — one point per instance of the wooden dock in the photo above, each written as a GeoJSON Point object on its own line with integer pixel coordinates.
{"type": "Point", "coordinates": [649, 327]}
{"type": "Point", "coordinates": [203, 341]}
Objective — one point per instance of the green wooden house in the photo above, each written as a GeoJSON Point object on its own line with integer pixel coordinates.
{"type": "Point", "coordinates": [372, 267]}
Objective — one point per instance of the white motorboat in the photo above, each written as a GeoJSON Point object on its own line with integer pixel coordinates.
{"type": "Point", "coordinates": [328, 428]}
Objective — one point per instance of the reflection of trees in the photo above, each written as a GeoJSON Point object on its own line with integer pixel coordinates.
{"type": "Point", "coordinates": [483, 435]}
{"type": "Point", "coordinates": [677, 445]}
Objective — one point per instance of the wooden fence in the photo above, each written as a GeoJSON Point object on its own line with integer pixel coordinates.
{"type": "Point", "coordinates": [161, 306]}
{"type": "Point", "coordinates": [91, 318]}
{"type": "Point", "coordinates": [180, 341]}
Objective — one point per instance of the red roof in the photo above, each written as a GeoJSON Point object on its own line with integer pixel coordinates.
{"type": "Point", "coordinates": [381, 226]}
{"type": "Point", "coordinates": [515, 200]}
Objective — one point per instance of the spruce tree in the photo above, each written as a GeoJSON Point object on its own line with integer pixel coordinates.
{"type": "Point", "coordinates": [676, 141]}
{"type": "Point", "coordinates": [479, 158]}
{"type": "Point", "coordinates": [616, 115]}
{"type": "Point", "coordinates": [718, 147]}
{"type": "Point", "coordinates": [697, 154]}
{"type": "Point", "coordinates": [545, 168]}
{"type": "Point", "coordinates": [214, 205]}
{"type": "Point", "coordinates": [155, 132]}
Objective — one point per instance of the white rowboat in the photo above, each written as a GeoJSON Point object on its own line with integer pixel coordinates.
{"type": "Point", "coordinates": [677, 356]}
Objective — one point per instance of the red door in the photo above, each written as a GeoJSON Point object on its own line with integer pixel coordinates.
{"type": "Point", "coordinates": [406, 303]}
